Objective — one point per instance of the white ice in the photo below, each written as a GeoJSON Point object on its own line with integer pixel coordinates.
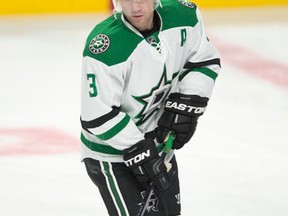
{"type": "Point", "coordinates": [235, 165]}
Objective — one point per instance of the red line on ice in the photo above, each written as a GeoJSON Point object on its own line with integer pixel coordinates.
{"type": "Point", "coordinates": [23, 141]}
{"type": "Point", "coordinates": [252, 62]}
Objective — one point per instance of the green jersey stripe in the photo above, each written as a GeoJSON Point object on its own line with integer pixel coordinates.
{"type": "Point", "coordinates": [107, 149]}
{"type": "Point", "coordinates": [99, 147]}
{"type": "Point", "coordinates": [208, 72]}
{"type": "Point", "coordinates": [115, 130]}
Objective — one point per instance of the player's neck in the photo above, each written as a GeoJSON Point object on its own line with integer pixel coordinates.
{"type": "Point", "coordinates": [155, 26]}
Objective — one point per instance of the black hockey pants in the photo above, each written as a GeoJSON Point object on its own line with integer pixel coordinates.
{"type": "Point", "coordinates": [123, 194]}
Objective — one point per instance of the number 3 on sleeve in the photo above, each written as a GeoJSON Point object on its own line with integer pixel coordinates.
{"type": "Point", "coordinates": [93, 90]}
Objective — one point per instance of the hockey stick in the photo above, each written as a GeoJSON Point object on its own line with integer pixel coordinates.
{"type": "Point", "coordinates": [149, 192]}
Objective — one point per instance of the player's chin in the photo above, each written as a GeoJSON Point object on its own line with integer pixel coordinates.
{"type": "Point", "coordinates": [140, 24]}
{"type": "Point", "coordinates": [138, 20]}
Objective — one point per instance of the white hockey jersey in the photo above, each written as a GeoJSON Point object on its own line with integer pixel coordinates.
{"type": "Point", "coordinates": [126, 78]}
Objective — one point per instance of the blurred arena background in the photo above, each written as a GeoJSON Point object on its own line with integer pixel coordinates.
{"type": "Point", "coordinates": [219, 12]}
{"type": "Point", "coordinates": [54, 6]}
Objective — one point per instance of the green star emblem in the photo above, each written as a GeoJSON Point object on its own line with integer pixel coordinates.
{"type": "Point", "coordinates": [152, 101]}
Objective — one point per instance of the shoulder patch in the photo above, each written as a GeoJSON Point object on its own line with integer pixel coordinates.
{"type": "Point", "coordinates": [186, 3]}
{"type": "Point", "coordinates": [99, 44]}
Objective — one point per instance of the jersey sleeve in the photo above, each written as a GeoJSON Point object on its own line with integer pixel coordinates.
{"type": "Point", "coordinates": [102, 121]}
{"type": "Point", "coordinates": [203, 65]}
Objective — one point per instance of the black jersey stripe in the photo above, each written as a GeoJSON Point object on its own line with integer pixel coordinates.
{"type": "Point", "coordinates": [191, 65]}
{"type": "Point", "coordinates": [99, 121]}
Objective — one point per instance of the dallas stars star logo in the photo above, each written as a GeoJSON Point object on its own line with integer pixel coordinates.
{"type": "Point", "coordinates": [152, 101]}
{"type": "Point", "coordinates": [153, 202]}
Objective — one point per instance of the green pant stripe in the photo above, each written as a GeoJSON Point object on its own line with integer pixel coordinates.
{"type": "Point", "coordinates": [113, 189]}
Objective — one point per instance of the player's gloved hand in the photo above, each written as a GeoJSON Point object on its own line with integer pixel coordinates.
{"type": "Point", "coordinates": [181, 113]}
{"type": "Point", "coordinates": [147, 165]}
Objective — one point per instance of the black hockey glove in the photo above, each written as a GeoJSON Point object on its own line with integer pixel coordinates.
{"type": "Point", "coordinates": [146, 164]}
{"type": "Point", "coordinates": [181, 113]}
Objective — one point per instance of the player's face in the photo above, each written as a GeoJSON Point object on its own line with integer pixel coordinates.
{"type": "Point", "coordinates": [139, 13]}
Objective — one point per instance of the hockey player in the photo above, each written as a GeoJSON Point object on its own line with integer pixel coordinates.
{"type": "Point", "coordinates": [147, 70]}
